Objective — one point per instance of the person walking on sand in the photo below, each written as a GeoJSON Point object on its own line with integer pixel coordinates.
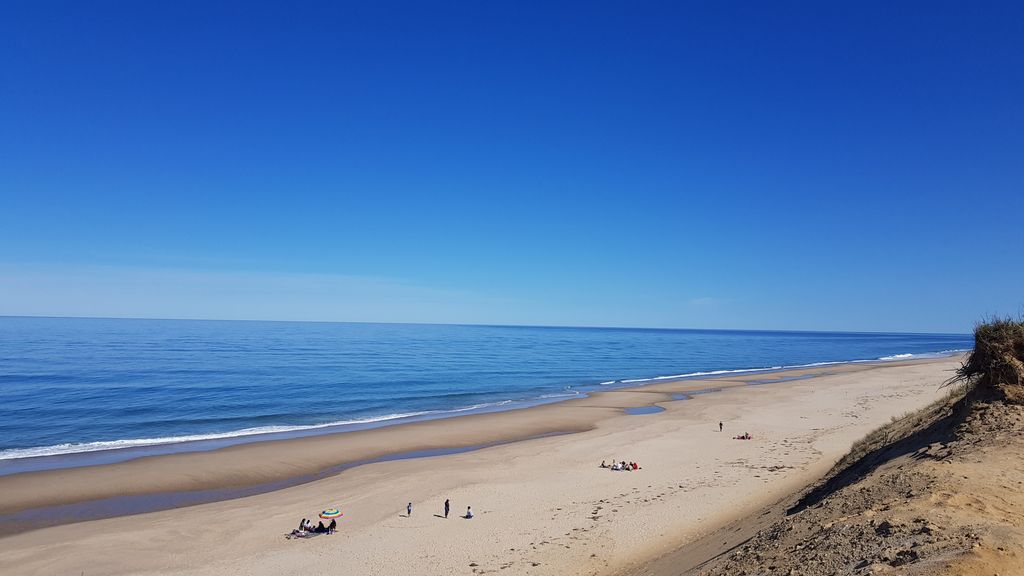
{"type": "Point", "coordinates": [408, 509]}
{"type": "Point", "coordinates": [469, 512]}
{"type": "Point", "coordinates": [447, 507]}
{"type": "Point", "coordinates": [720, 426]}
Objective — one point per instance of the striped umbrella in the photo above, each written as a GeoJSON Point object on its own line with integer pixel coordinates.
{"type": "Point", "coordinates": [331, 513]}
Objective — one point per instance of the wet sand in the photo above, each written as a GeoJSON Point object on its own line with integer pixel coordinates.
{"type": "Point", "coordinates": [543, 506]}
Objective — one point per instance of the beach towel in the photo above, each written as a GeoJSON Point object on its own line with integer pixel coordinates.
{"type": "Point", "coordinates": [304, 535]}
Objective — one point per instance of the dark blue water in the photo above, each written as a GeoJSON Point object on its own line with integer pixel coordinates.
{"type": "Point", "coordinates": [77, 385]}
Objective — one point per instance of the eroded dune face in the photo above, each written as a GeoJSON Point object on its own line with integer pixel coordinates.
{"type": "Point", "coordinates": [938, 492]}
{"type": "Point", "coordinates": [950, 501]}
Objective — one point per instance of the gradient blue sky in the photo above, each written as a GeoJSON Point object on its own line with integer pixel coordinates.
{"type": "Point", "coordinates": [778, 165]}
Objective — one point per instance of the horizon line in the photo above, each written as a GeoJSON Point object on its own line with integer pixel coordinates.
{"type": "Point", "coordinates": [480, 325]}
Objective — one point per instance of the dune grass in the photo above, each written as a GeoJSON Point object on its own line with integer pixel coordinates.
{"type": "Point", "coordinates": [993, 370]}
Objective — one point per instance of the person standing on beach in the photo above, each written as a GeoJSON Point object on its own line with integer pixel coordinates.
{"type": "Point", "coordinates": [447, 507]}
{"type": "Point", "coordinates": [408, 509]}
{"type": "Point", "coordinates": [720, 426]}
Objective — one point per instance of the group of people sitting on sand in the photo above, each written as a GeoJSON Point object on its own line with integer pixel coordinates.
{"type": "Point", "coordinates": [306, 528]}
{"type": "Point", "coordinates": [629, 466]}
{"type": "Point", "coordinates": [744, 436]}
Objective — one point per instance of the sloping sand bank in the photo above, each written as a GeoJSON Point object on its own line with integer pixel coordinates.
{"type": "Point", "coordinates": [946, 500]}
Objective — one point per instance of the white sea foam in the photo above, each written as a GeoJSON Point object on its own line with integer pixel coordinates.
{"type": "Point", "coordinates": [566, 394]}
{"type": "Point", "coordinates": [787, 367]}
{"type": "Point", "coordinates": [77, 448]}
{"type": "Point", "coordinates": [924, 354]}
{"type": "Point", "coordinates": [62, 449]}
{"type": "Point", "coordinates": [693, 374]}
{"type": "Point", "coordinates": [473, 407]}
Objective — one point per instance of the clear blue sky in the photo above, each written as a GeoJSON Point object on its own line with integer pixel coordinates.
{"type": "Point", "coordinates": [779, 165]}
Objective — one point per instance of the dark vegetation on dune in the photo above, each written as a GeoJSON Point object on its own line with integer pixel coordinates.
{"type": "Point", "coordinates": [995, 369]}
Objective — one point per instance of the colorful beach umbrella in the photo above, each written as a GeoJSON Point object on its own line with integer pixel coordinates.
{"type": "Point", "coordinates": [331, 513]}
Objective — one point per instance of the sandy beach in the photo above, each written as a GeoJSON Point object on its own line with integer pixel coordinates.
{"type": "Point", "coordinates": [542, 503]}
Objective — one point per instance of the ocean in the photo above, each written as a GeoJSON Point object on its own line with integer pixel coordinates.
{"type": "Point", "coordinates": [78, 391]}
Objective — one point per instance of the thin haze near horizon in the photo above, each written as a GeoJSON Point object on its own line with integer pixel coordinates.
{"type": "Point", "coordinates": [818, 166]}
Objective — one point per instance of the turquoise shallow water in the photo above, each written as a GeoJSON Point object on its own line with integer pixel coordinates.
{"type": "Point", "coordinates": [80, 386]}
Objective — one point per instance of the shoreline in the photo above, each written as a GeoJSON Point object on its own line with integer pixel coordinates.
{"type": "Point", "coordinates": [151, 483]}
{"type": "Point", "coordinates": [543, 506]}
{"type": "Point", "coordinates": [110, 452]}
